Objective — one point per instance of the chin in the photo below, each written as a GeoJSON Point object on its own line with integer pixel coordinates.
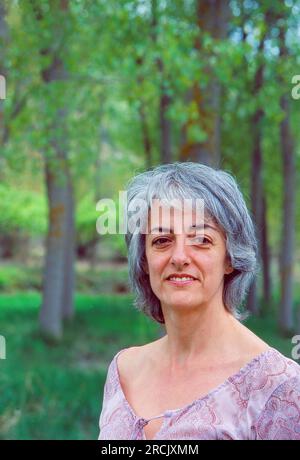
{"type": "Point", "coordinates": [183, 302]}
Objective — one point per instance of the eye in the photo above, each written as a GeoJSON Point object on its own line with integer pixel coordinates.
{"type": "Point", "coordinates": [160, 241]}
{"type": "Point", "coordinates": [201, 240]}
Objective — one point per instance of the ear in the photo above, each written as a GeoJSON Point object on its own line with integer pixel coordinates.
{"type": "Point", "coordinates": [228, 269]}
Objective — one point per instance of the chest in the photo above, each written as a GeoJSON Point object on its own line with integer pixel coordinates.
{"type": "Point", "coordinates": [153, 400]}
{"type": "Point", "coordinates": [152, 395]}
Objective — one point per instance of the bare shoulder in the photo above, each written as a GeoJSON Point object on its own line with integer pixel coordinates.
{"type": "Point", "coordinates": [127, 358]}
{"type": "Point", "coordinates": [130, 360]}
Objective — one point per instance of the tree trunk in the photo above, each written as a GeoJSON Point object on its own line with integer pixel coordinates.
{"type": "Point", "coordinates": [257, 194]}
{"type": "Point", "coordinates": [146, 136]}
{"type": "Point", "coordinates": [54, 272]}
{"type": "Point", "coordinates": [8, 245]}
{"type": "Point", "coordinates": [288, 215]}
{"type": "Point", "coordinates": [143, 119]}
{"type": "Point", "coordinates": [58, 284]}
{"type": "Point", "coordinates": [288, 227]}
{"type": "Point", "coordinates": [59, 277]}
{"type": "Point", "coordinates": [164, 100]}
{"type": "Point", "coordinates": [212, 17]}
{"type": "Point", "coordinates": [69, 249]}
{"type": "Point", "coordinates": [165, 125]}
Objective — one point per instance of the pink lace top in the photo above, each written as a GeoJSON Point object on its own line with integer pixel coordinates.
{"type": "Point", "coordinates": [260, 401]}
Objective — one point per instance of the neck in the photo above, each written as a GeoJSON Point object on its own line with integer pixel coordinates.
{"type": "Point", "coordinates": [203, 334]}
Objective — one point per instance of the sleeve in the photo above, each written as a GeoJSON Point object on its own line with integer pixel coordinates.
{"type": "Point", "coordinates": [280, 417]}
{"type": "Point", "coordinates": [105, 401]}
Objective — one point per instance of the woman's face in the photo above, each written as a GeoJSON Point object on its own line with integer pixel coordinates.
{"type": "Point", "coordinates": [195, 252]}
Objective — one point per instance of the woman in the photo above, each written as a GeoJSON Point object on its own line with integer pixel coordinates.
{"type": "Point", "coordinates": [209, 376]}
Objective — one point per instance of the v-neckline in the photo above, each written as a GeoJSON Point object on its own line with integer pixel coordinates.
{"type": "Point", "coordinates": [214, 390]}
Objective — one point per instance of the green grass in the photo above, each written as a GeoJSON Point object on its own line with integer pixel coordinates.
{"type": "Point", "coordinates": [55, 392]}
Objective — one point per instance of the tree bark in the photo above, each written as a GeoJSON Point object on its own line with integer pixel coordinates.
{"type": "Point", "coordinates": [212, 17]}
{"type": "Point", "coordinates": [257, 192]}
{"type": "Point", "coordinates": [58, 285]}
{"type": "Point", "coordinates": [164, 100]}
{"type": "Point", "coordinates": [69, 253]}
{"type": "Point", "coordinates": [256, 189]}
{"type": "Point", "coordinates": [146, 136]}
{"type": "Point", "coordinates": [288, 228]}
{"type": "Point", "coordinates": [287, 252]}
{"type": "Point", "coordinates": [54, 271]}
{"type": "Point", "coordinates": [288, 215]}
{"type": "Point", "coordinates": [59, 277]}
{"type": "Point", "coordinates": [143, 119]}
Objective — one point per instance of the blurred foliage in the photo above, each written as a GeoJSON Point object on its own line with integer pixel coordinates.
{"type": "Point", "coordinates": [89, 280]}
{"type": "Point", "coordinates": [105, 88]}
{"type": "Point", "coordinates": [22, 209]}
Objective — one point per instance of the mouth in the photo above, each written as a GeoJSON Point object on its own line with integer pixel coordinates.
{"type": "Point", "coordinates": [181, 280]}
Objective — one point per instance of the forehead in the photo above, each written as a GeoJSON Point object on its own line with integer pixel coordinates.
{"type": "Point", "coordinates": [180, 218]}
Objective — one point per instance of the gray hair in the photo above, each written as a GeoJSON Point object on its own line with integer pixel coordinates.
{"type": "Point", "coordinates": [224, 203]}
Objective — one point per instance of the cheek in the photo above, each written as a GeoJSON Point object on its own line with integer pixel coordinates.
{"type": "Point", "coordinates": [210, 265]}
{"type": "Point", "coordinates": [156, 265]}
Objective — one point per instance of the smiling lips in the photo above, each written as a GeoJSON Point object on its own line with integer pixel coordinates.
{"type": "Point", "coordinates": [181, 279]}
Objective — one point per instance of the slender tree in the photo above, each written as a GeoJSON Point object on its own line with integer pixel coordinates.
{"type": "Point", "coordinates": [257, 163]}
{"type": "Point", "coordinates": [288, 214]}
{"type": "Point", "coordinates": [164, 98]}
{"type": "Point", "coordinates": [143, 117]}
{"type": "Point", "coordinates": [212, 18]}
{"type": "Point", "coordinates": [58, 283]}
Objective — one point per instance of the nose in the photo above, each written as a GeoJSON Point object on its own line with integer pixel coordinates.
{"type": "Point", "coordinates": [180, 256]}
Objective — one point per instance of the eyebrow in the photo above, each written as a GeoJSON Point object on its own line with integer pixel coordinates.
{"type": "Point", "coordinates": [193, 227]}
